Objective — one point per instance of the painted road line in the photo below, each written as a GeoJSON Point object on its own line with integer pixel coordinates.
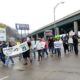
{"type": "Point", "coordinates": [4, 78]}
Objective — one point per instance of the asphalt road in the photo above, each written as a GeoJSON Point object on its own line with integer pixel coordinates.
{"type": "Point", "coordinates": [52, 68]}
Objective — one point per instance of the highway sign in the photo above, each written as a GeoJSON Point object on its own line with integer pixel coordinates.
{"type": "Point", "coordinates": [22, 26]}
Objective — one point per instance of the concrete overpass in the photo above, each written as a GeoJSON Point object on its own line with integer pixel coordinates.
{"type": "Point", "coordinates": [64, 25]}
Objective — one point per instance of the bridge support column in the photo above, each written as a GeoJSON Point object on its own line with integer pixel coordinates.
{"type": "Point", "coordinates": [37, 36]}
{"type": "Point", "coordinates": [56, 31]}
{"type": "Point", "coordinates": [44, 35]}
{"type": "Point", "coordinates": [31, 37]}
{"type": "Point", "coordinates": [76, 27]}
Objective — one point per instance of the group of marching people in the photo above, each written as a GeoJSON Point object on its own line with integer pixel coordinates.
{"type": "Point", "coordinates": [70, 43]}
{"type": "Point", "coordinates": [51, 45]}
{"type": "Point", "coordinates": [41, 46]}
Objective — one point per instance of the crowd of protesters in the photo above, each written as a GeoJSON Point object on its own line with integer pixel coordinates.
{"type": "Point", "coordinates": [50, 46]}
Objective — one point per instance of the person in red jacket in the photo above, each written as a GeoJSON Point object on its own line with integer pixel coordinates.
{"type": "Point", "coordinates": [46, 47]}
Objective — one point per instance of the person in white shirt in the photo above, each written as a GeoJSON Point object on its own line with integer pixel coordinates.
{"type": "Point", "coordinates": [40, 46]}
{"type": "Point", "coordinates": [57, 47]}
{"type": "Point", "coordinates": [70, 42]}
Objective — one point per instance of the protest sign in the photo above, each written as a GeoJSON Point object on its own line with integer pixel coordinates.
{"type": "Point", "coordinates": [15, 50]}
{"type": "Point", "coordinates": [8, 51]}
{"type": "Point", "coordinates": [42, 45]}
{"type": "Point", "coordinates": [24, 47]}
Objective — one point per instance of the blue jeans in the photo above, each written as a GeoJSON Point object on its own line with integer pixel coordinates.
{"type": "Point", "coordinates": [58, 50]}
{"type": "Point", "coordinates": [34, 53]}
{"type": "Point", "coordinates": [51, 49]}
{"type": "Point", "coordinates": [44, 51]}
{"type": "Point", "coordinates": [70, 47]}
{"type": "Point", "coordinates": [9, 58]}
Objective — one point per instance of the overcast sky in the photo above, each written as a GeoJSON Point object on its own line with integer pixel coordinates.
{"type": "Point", "coordinates": [36, 13]}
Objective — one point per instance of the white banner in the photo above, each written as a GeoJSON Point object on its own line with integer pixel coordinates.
{"type": "Point", "coordinates": [15, 50]}
{"type": "Point", "coordinates": [2, 34]}
{"type": "Point", "coordinates": [7, 51]}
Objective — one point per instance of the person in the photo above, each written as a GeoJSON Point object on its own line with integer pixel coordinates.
{"type": "Point", "coordinates": [45, 48]}
{"type": "Point", "coordinates": [39, 48]}
{"type": "Point", "coordinates": [29, 52]}
{"type": "Point", "coordinates": [20, 55]}
{"type": "Point", "coordinates": [33, 43]}
{"type": "Point", "coordinates": [2, 56]}
{"type": "Point", "coordinates": [9, 58]}
{"type": "Point", "coordinates": [75, 43]}
{"type": "Point", "coordinates": [26, 54]}
{"type": "Point", "coordinates": [70, 42]}
{"type": "Point", "coordinates": [57, 47]}
{"type": "Point", "coordinates": [51, 45]}
{"type": "Point", "coordinates": [65, 43]}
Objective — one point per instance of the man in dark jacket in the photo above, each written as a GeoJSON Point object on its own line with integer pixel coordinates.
{"type": "Point", "coordinates": [75, 43]}
{"type": "Point", "coordinates": [2, 56]}
{"type": "Point", "coordinates": [51, 45]}
{"type": "Point", "coordinates": [65, 43]}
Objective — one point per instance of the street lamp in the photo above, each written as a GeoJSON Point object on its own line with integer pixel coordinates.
{"type": "Point", "coordinates": [56, 29]}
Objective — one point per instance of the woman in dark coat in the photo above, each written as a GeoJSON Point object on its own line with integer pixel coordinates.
{"type": "Point", "coordinates": [65, 43]}
{"type": "Point", "coordinates": [75, 43]}
{"type": "Point", "coordinates": [26, 55]}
